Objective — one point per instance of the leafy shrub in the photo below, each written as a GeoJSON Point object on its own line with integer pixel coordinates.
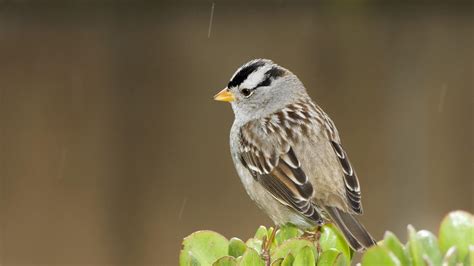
{"type": "Point", "coordinates": [455, 246]}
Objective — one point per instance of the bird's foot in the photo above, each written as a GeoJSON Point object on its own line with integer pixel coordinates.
{"type": "Point", "coordinates": [313, 236]}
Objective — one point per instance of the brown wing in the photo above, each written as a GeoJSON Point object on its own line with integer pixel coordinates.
{"type": "Point", "coordinates": [350, 178]}
{"type": "Point", "coordinates": [280, 173]}
{"type": "Point", "coordinates": [351, 181]}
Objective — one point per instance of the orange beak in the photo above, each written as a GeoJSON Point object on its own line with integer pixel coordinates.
{"type": "Point", "coordinates": [225, 95]}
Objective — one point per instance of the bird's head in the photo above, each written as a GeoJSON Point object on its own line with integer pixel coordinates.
{"type": "Point", "coordinates": [260, 87]}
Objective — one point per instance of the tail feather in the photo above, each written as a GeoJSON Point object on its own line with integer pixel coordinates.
{"type": "Point", "coordinates": [354, 232]}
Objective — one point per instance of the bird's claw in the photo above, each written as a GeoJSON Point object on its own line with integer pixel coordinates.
{"type": "Point", "coordinates": [313, 236]}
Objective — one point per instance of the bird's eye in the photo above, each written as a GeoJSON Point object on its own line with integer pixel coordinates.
{"type": "Point", "coordinates": [246, 92]}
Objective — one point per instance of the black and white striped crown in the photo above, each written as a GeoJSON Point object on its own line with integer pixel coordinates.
{"type": "Point", "coordinates": [256, 73]}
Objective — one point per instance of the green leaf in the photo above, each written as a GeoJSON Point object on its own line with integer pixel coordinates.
{"type": "Point", "coordinates": [255, 244]}
{"type": "Point", "coordinates": [261, 232]}
{"type": "Point", "coordinates": [237, 247]}
{"type": "Point", "coordinates": [269, 234]}
{"type": "Point", "coordinates": [203, 248]}
{"type": "Point", "coordinates": [331, 237]}
{"type": "Point", "coordinates": [469, 260]}
{"type": "Point", "coordinates": [429, 247]}
{"type": "Point", "coordinates": [341, 261]}
{"type": "Point", "coordinates": [261, 235]}
{"type": "Point", "coordinates": [305, 257]}
{"type": "Point", "coordinates": [286, 232]}
{"type": "Point", "coordinates": [269, 231]}
{"type": "Point", "coordinates": [378, 255]}
{"type": "Point", "coordinates": [292, 245]}
{"type": "Point", "coordinates": [457, 229]}
{"type": "Point", "coordinates": [225, 261]}
{"type": "Point", "coordinates": [414, 247]}
{"type": "Point", "coordinates": [238, 259]}
{"type": "Point", "coordinates": [277, 262]}
{"type": "Point", "coordinates": [251, 258]}
{"type": "Point", "coordinates": [392, 243]}
{"type": "Point", "coordinates": [193, 261]}
{"type": "Point", "coordinates": [329, 257]}
{"type": "Point", "coordinates": [288, 261]}
{"type": "Point", "coordinates": [450, 257]}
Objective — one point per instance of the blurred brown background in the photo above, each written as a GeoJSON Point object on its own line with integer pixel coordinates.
{"type": "Point", "coordinates": [111, 149]}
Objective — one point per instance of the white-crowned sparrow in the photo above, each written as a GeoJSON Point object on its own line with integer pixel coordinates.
{"type": "Point", "coordinates": [288, 153]}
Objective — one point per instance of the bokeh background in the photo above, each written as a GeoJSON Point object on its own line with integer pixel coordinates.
{"type": "Point", "coordinates": [111, 149]}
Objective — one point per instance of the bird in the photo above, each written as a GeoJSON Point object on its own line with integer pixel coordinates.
{"type": "Point", "coordinates": [288, 153]}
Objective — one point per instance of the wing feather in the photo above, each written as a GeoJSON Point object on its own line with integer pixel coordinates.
{"type": "Point", "coordinates": [351, 181]}
{"type": "Point", "coordinates": [280, 173]}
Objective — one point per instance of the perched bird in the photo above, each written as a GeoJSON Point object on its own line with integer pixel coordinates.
{"type": "Point", "coordinates": [288, 153]}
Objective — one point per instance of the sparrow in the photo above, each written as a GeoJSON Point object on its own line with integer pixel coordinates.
{"type": "Point", "coordinates": [288, 153]}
